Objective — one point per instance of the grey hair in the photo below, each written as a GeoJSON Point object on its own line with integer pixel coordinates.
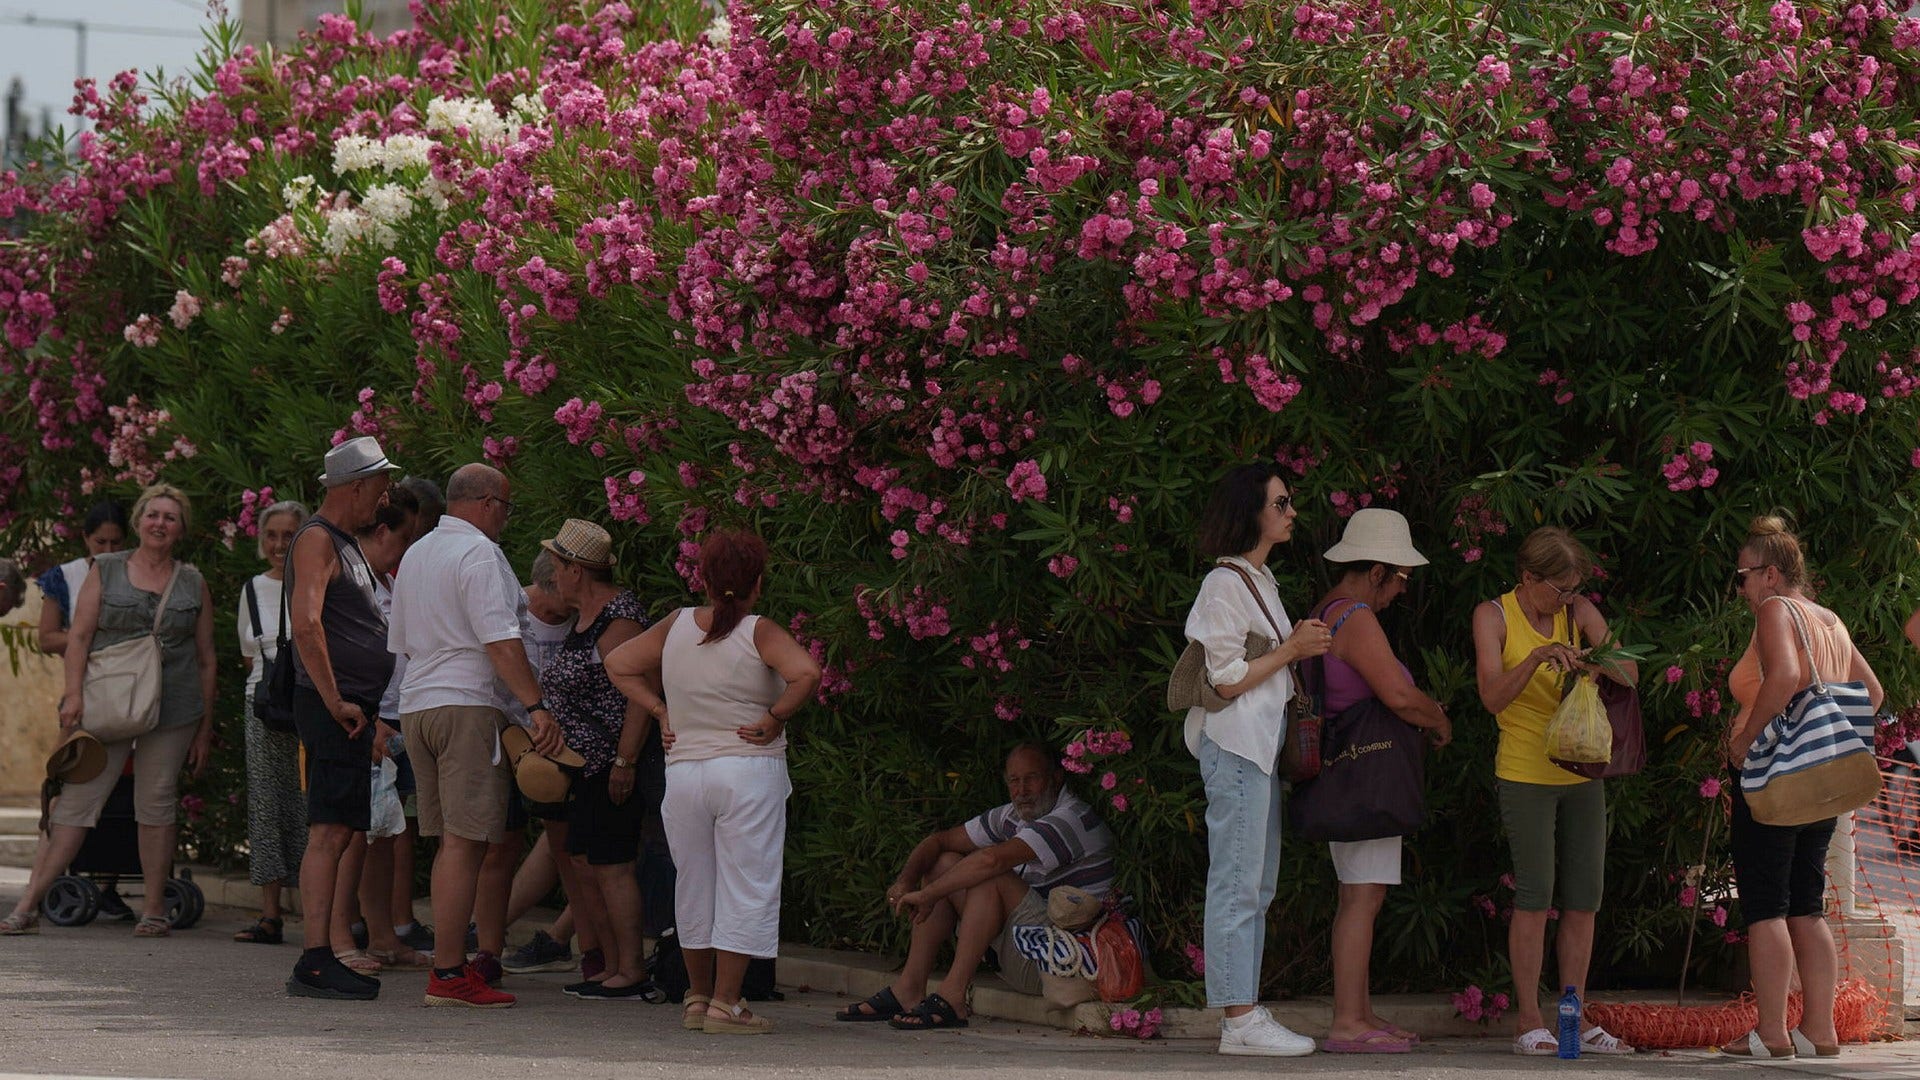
{"type": "Point", "coordinates": [543, 571]}
{"type": "Point", "coordinates": [285, 506]}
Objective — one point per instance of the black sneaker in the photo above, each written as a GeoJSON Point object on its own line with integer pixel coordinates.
{"type": "Point", "coordinates": [113, 906]}
{"type": "Point", "coordinates": [645, 991]}
{"type": "Point", "coordinates": [331, 980]}
{"type": "Point", "coordinates": [419, 938]}
{"type": "Point", "coordinates": [541, 954]}
{"type": "Point", "coordinates": [579, 989]}
{"type": "Point", "coordinates": [359, 932]}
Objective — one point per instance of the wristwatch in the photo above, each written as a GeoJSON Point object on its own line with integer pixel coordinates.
{"type": "Point", "coordinates": [621, 763]}
{"type": "Point", "coordinates": [540, 706]}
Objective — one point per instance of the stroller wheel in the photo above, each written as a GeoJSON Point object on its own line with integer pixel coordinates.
{"type": "Point", "coordinates": [184, 903]}
{"type": "Point", "coordinates": [71, 901]}
{"type": "Point", "coordinates": [180, 908]}
{"type": "Point", "coordinates": [195, 897]}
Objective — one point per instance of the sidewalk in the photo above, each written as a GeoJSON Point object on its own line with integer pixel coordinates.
{"type": "Point", "coordinates": [854, 976]}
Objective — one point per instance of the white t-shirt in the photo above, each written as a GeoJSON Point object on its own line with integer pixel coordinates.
{"type": "Point", "coordinates": [1253, 725]}
{"type": "Point", "coordinates": [262, 645]}
{"type": "Point", "coordinates": [455, 594]}
{"type": "Point", "coordinates": [390, 700]}
{"type": "Point", "coordinates": [543, 640]}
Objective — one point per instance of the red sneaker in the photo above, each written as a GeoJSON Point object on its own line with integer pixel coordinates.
{"type": "Point", "coordinates": [465, 989]}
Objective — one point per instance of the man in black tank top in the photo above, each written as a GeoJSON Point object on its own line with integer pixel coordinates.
{"type": "Point", "coordinates": [341, 667]}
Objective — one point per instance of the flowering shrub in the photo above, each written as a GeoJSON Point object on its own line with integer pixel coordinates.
{"type": "Point", "coordinates": [964, 305]}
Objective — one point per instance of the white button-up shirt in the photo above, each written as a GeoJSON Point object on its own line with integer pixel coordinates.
{"type": "Point", "coordinates": [1254, 724]}
{"type": "Point", "coordinates": [455, 594]}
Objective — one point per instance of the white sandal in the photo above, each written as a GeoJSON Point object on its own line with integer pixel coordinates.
{"type": "Point", "coordinates": [1752, 1047]}
{"type": "Point", "coordinates": [1598, 1041]}
{"type": "Point", "coordinates": [1536, 1043]}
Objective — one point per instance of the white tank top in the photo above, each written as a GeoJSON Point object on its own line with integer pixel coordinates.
{"type": "Point", "coordinates": [712, 690]}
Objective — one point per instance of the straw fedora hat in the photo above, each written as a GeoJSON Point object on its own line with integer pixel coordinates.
{"type": "Point", "coordinates": [1376, 535]}
{"type": "Point", "coordinates": [584, 543]}
{"type": "Point", "coordinates": [77, 758]}
{"type": "Point", "coordinates": [541, 778]}
{"type": "Point", "coordinates": [356, 459]}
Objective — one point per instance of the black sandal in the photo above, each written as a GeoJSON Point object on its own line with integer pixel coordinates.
{"type": "Point", "coordinates": [265, 932]}
{"type": "Point", "coordinates": [881, 1006]}
{"type": "Point", "coordinates": [932, 1014]}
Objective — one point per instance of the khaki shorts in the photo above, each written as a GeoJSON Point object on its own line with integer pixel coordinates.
{"type": "Point", "coordinates": [156, 780]}
{"type": "Point", "coordinates": [1019, 972]}
{"type": "Point", "coordinates": [462, 791]}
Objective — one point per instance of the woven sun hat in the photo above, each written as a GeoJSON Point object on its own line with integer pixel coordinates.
{"type": "Point", "coordinates": [582, 542]}
{"type": "Point", "coordinates": [356, 459]}
{"type": "Point", "coordinates": [77, 758]}
{"type": "Point", "coordinates": [1376, 535]}
{"type": "Point", "coordinates": [1072, 909]}
{"type": "Point", "coordinates": [541, 778]}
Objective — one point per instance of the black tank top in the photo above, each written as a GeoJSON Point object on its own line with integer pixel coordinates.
{"type": "Point", "coordinates": [356, 631]}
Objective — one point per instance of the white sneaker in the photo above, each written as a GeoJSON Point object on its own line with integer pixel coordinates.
{"type": "Point", "coordinates": [1263, 1036]}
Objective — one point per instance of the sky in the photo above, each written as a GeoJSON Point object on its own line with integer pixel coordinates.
{"type": "Point", "coordinates": [43, 57]}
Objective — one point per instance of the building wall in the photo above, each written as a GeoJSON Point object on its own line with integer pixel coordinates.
{"type": "Point", "coordinates": [29, 709]}
{"type": "Point", "coordinates": [279, 22]}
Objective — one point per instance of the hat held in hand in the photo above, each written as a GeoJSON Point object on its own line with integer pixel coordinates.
{"type": "Point", "coordinates": [541, 778]}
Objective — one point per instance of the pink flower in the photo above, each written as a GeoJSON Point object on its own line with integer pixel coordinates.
{"type": "Point", "coordinates": [1710, 788]}
{"type": "Point", "coordinates": [1196, 958]}
{"type": "Point", "coordinates": [1026, 481]}
{"type": "Point", "coordinates": [1120, 803]}
{"type": "Point", "coordinates": [1689, 897]}
{"type": "Point", "coordinates": [1108, 781]}
{"type": "Point", "coordinates": [1676, 673]}
{"type": "Point", "coordinates": [1719, 915]}
{"type": "Point", "coordinates": [1063, 566]}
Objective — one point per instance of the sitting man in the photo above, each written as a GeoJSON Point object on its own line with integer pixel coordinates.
{"type": "Point", "coordinates": [984, 878]}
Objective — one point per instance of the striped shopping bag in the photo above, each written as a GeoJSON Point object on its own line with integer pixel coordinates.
{"type": "Point", "coordinates": [1815, 760]}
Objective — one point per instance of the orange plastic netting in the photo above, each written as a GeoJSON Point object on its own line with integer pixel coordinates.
{"type": "Point", "coordinates": [1873, 908]}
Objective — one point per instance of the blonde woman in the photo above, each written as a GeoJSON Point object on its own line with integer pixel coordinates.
{"type": "Point", "coordinates": [119, 602]}
{"type": "Point", "coordinates": [1781, 870]}
{"type": "Point", "coordinates": [1556, 822]}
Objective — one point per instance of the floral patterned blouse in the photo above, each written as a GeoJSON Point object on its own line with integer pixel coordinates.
{"type": "Point", "coordinates": [590, 709]}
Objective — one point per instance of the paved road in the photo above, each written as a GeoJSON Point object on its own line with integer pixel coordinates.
{"type": "Point", "coordinates": [95, 1001]}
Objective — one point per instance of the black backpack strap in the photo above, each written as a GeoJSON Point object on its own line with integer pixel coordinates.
{"type": "Point", "coordinates": [253, 610]}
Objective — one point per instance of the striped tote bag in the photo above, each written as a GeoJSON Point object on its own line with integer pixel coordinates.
{"type": "Point", "coordinates": [1815, 760]}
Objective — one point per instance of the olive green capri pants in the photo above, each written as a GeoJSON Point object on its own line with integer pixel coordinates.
{"type": "Point", "coordinates": [1558, 833]}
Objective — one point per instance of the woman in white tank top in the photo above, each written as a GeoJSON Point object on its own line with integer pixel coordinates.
{"type": "Point", "coordinates": [722, 682]}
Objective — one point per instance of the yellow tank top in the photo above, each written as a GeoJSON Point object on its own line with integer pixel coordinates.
{"type": "Point", "coordinates": [1522, 756]}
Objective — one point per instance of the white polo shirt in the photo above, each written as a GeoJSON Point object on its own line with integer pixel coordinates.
{"type": "Point", "coordinates": [455, 594]}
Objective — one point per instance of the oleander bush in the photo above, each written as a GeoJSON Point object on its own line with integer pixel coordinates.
{"type": "Point", "coordinates": [964, 306]}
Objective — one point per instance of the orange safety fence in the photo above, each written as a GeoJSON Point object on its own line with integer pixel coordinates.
{"type": "Point", "coordinates": [1873, 909]}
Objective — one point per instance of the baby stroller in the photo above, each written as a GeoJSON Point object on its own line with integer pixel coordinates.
{"type": "Point", "coordinates": [113, 848]}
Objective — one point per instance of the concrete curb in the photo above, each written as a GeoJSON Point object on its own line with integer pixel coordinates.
{"type": "Point", "coordinates": [855, 976]}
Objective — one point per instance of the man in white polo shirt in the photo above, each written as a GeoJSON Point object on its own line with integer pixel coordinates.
{"type": "Point", "coordinates": [457, 610]}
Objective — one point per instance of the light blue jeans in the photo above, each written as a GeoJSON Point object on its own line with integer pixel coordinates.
{"type": "Point", "coordinates": [1243, 868]}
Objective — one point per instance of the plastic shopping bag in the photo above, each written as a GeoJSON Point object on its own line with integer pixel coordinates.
{"type": "Point", "coordinates": [389, 817]}
{"type": "Point", "coordinates": [1580, 730]}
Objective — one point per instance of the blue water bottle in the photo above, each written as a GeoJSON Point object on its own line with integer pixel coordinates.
{"type": "Point", "coordinates": [1570, 1024]}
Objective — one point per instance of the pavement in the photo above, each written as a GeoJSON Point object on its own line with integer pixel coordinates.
{"type": "Point", "coordinates": [95, 1001]}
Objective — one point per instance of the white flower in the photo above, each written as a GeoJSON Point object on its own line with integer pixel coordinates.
{"type": "Point", "coordinates": [296, 192]}
{"type": "Point", "coordinates": [352, 154]}
{"type": "Point", "coordinates": [388, 203]}
{"type": "Point", "coordinates": [720, 31]}
{"type": "Point", "coordinates": [482, 121]}
{"type": "Point", "coordinates": [530, 108]}
{"type": "Point", "coordinates": [357, 153]}
{"type": "Point", "coordinates": [405, 152]}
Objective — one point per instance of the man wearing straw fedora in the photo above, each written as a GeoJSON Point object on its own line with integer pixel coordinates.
{"type": "Point", "coordinates": [340, 668]}
{"type": "Point", "coordinates": [458, 612]}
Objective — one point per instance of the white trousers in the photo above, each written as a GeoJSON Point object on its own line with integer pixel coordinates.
{"type": "Point", "coordinates": [726, 824]}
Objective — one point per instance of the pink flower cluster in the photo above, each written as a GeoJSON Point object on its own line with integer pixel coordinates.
{"type": "Point", "coordinates": [1141, 1024]}
{"type": "Point", "coordinates": [1477, 1005]}
{"type": "Point", "coordinates": [1689, 468]}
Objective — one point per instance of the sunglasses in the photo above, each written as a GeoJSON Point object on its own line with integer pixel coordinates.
{"type": "Point", "coordinates": [1405, 578]}
{"type": "Point", "coordinates": [1740, 575]}
{"type": "Point", "coordinates": [1282, 503]}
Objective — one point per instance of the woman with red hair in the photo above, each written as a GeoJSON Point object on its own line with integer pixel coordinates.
{"type": "Point", "coordinates": [722, 682]}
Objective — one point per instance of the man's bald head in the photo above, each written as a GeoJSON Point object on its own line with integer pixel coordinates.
{"type": "Point", "coordinates": [471, 483]}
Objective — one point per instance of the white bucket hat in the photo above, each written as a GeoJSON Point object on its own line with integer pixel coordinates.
{"type": "Point", "coordinates": [1376, 535]}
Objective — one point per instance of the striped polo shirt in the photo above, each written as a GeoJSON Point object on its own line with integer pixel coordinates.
{"type": "Point", "coordinates": [1071, 845]}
